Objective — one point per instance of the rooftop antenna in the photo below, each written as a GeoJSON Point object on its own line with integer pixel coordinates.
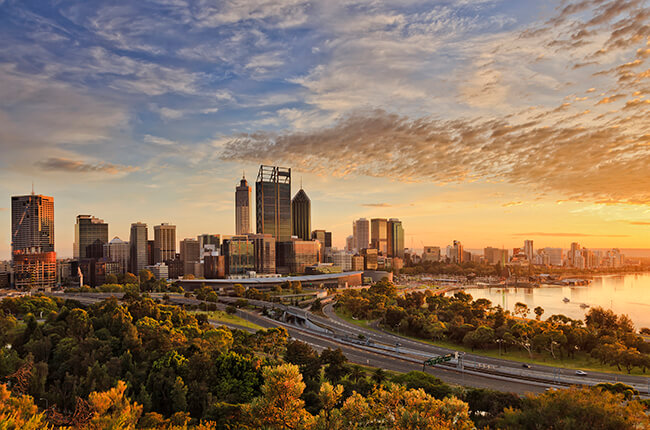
{"type": "Point", "coordinates": [32, 188]}
{"type": "Point", "coordinates": [301, 182]}
{"type": "Point", "coordinates": [243, 173]}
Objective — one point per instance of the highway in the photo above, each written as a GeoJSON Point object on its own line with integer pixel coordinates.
{"type": "Point", "coordinates": [378, 348]}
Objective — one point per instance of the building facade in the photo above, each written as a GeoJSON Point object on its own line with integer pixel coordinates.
{"type": "Point", "coordinates": [301, 215]}
{"type": "Point", "coordinates": [361, 234]}
{"type": "Point", "coordinates": [118, 251]}
{"type": "Point", "coordinates": [379, 235]}
{"type": "Point", "coordinates": [239, 255]}
{"type": "Point", "coordinates": [32, 241]}
{"type": "Point", "coordinates": [264, 245]}
{"type": "Point", "coordinates": [295, 255]}
{"type": "Point", "coordinates": [243, 208]}
{"type": "Point", "coordinates": [273, 202]}
{"type": "Point", "coordinates": [87, 231]}
{"type": "Point", "coordinates": [190, 254]}
{"type": "Point", "coordinates": [164, 242]}
{"type": "Point", "coordinates": [395, 239]}
{"type": "Point", "coordinates": [138, 242]}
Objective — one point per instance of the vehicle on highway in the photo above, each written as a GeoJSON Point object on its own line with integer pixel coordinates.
{"type": "Point", "coordinates": [526, 365]}
{"type": "Point", "coordinates": [581, 373]}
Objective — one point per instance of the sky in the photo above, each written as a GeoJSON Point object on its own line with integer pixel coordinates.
{"type": "Point", "coordinates": [484, 121]}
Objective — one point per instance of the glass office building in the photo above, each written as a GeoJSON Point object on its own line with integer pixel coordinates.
{"type": "Point", "coordinates": [273, 202]}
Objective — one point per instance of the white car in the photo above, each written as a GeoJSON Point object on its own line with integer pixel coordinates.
{"type": "Point", "coordinates": [581, 373]}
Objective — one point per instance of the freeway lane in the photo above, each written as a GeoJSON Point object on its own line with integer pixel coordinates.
{"type": "Point", "coordinates": [549, 372]}
{"type": "Point", "coordinates": [354, 354]}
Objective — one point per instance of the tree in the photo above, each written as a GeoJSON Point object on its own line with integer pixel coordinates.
{"type": "Point", "coordinates": [304, 356]}
{"type": "Point", "coordinates": [576, 408]}
{"type": "Point", "coordinates": [19, 412]}
{"type": "Point", "coordinates": [539, 311]}
{"type": "Point", "coordinates": [112, 409]}
{"type": "Point", "coordinates": [238, 290]}
{"type": "Point", "coordinates": [280, 406]}
{"type": "Point", "coordinates": [336, 367]}
{"type": "Point", "coordinates": [521, 309]}
{"type": "Point", "coordinates": [130, 278]}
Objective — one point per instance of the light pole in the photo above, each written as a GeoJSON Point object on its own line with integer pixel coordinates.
{"type": "Point", "coordinates": [500, 341]}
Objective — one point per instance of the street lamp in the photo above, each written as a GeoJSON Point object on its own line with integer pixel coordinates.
{"type": "Point", "coordinates": [500, 341]}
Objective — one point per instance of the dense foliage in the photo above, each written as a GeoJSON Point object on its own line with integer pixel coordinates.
{"type": "Point", "coordinates": [141, 364]}
{"type": "Point", "coordinates": [478, 324]}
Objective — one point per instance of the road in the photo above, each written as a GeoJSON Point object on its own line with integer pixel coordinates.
{"type": "Point", "coordinates": [378, 349]}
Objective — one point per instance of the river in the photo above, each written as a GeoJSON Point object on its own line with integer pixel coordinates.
{"type": "Point", "coordinates": [624, 294]}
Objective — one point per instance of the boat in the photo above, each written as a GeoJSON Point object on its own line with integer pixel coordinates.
{"type": "Point", "coordinates": [565, 300]}
{"type": "Point", "coordinates": [584, 305]}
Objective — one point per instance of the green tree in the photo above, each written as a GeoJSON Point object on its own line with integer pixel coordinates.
{"type": "Point", "coordinates": [576, 409]}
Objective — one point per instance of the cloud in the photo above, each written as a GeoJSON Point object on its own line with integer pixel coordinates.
{"type": "Point", "coordinates": [551, 234]}
{"type": "Point", "coordinates": [610, 99]}
{"type": "Point", "coordinates": [77, 166]}
{"type": "Point", "coordinates": [376, 205]}
{"type": "Point", "coordinates": [638, 222]}
{"type": "Point", "coordinates": [610, 162]}
{"type": "Point", "coordinates": [158, 140]}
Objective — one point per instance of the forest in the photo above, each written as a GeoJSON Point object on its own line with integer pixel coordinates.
{"type": "Point", "coordinates": [137, 363]}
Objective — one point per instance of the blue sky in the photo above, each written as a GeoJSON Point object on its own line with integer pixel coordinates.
{"type": "Point", "coordinates": [471, 120]}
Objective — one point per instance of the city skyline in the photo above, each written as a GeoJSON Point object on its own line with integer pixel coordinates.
{"type": "Point", "coordinates": [488, 122]}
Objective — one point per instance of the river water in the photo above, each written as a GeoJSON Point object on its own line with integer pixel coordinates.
{"type": "Point", "coordinates": [624, 294]}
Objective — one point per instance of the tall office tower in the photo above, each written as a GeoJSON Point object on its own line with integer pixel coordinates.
{"type": "Point", "coordinates": [395, 240]}
{"type": "Point", "coordinates": [273, 202]}
{"type": "Point", "coordinates": [32, 241]}
{"type": "Point", "coordinates": [164, 242]}
{"type": "Point", "coordinates": [209, 239]}
{"type": "Point", "coordinates": [87, 230]}
{"type": "Point", "coordinates": [556, 255]}
{"type": "Point", "coordinates": [379, 235]}
{"type": "Point", "coordinates": [138, 243]}
{"type": "Point", "coordinates": [528, 250]}
{"type": "Point", "coordinates": [361, 233]}
{"type": "Point", "coordinates": [243, 208]}
{"type": "Point", "coordinates": [264, 245]}
{"type": "Point", "coordinates": [118, 251]}
{"type": "Point", "coordinates": [190, 255]}
{"type": "Point", "coordinates": [301, 215]}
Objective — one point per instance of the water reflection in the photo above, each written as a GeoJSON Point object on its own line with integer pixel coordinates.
{"type": "Point", "coordinates": [624, 294]}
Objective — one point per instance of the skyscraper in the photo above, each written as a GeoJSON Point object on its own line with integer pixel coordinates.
{"type": "Point", "coordinates": [528, 250]}
{"type": "Point", "coordinates": [138, 243]}
{"type": "Point", "coordinates": [164, 242]}
{"type": "Point", "coordinates": [301, 215]}
{"type": "Point", "coordinates": [273, 202]}
{"type": "Point", "coordinates": [32, 241]}
{"type": "Point", "coordinates": [395, 238]}
{"type": "Point", "coordinates": [361, 234]}
{"type": "Point", "coordinates": [243, 208]}
{"type": "Point", "coordinates": [379, 235]}
{"type": "Point", "coordinates": [87, 231]}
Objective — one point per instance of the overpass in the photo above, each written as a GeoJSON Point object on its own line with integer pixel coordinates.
{"type": "Point", "coordinates": [327, 280]}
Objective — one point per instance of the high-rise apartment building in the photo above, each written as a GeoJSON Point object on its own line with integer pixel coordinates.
{"type": "Point", "coordinates": [190, 255]}
{"type": "Point", "coordinates": [164, 242]}
{"type": "Point", "coordinates": [138, 242]}
{"type": "Point", "coordinates": [349, 243]}
{"type": "Point", "coordinates": [573, 253]}
{"type": "Point", "coordinates": [32, 241]}
{"type": "Point", "coordinates": [243, 208]}
{"type": "Point", "coordinates": [273, 202]}
{"type": "Point", "coordinates": [118, 251]}
{"type": "Point", "coordinates": [87, 231]}
{"type": "Point", "coordinates": [361, 234]}
{"type": "Point", "coordinates": [395, 239]}
{"type": "Point", "coordinates": [301, 215]}
{"type": "Point", "coordinates": [379, 235]}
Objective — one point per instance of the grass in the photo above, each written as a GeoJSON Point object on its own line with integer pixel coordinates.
{"type": "Point", "coordinates": [231, 319]}
{"type": "Point", "coordinates": [581, 361]}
